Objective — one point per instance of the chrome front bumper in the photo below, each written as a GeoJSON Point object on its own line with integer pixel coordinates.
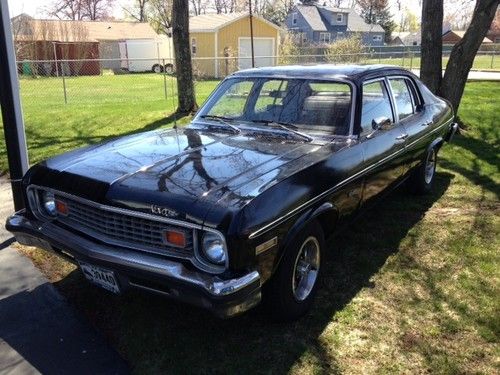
{"type": "Point", "coordinates": [224, 297]}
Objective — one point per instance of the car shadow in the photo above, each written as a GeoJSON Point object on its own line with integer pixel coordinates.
{"type": "Point", "coordinates": [160, 335]}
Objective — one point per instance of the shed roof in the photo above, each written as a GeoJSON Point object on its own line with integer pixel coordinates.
{"type": "Point", "coordinates": [214, 22]}
{"type": "Point", "coordinates": [80, 31]}
{"type": "Point", "coordinates": [461, 33]}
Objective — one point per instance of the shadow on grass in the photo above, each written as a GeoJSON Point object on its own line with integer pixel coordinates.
{"type": "Point", "coordinates": [160, 335]}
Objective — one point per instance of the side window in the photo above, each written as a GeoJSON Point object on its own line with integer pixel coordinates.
{"type": "Point", "coordinates": [403, 97]}
{"type": "Point", "coordinates": [375, 104]}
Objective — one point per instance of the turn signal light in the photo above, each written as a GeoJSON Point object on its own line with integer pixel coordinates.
{"type": "Point", "coordinates": [175, 238]}
{"type": "Point", "coordinates": [62, 208]}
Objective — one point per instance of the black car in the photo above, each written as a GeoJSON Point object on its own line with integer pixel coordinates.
{"type": "Point", "coordinates": [238, 204]}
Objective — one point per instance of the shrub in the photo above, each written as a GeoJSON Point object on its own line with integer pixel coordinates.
{"type": "Point", "coordinates": [346, 50]}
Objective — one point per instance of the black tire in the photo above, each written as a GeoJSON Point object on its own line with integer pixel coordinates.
{"type": "Point", "coordinates": [169, 69]}
{"type": "Point", "coordinates": [285, 297]}
{"type": "Point", "coordinates": [157, 68]}
{"type": "Point", "coordinates": [424, 176]}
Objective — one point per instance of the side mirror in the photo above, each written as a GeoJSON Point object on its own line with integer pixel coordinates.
{"type": "Point", "coordinates": [381, 123]}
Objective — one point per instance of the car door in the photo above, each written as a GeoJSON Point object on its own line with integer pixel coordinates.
{"type": "Point", "coordinates": [411, 115]}
{"type": "Point", "coordinates": [383, 148]}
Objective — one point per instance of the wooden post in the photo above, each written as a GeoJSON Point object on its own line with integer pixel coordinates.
{"type": "Point", "coordinates": [251, 33]}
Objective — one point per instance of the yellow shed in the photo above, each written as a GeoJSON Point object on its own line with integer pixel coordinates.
{"type": "Point", "coordinates": [220, 43]}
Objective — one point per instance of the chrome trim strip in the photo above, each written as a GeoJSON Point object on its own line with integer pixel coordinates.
{"type": "Point", "coordinates": [213, 269]}
{"type": "Point", "coordinates": [212, 284]}
{"type": "Point", "coordinates": [286, 216]}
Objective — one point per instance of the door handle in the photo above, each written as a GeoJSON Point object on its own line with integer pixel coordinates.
{"type": "Point", "coordinates": [401, 137]}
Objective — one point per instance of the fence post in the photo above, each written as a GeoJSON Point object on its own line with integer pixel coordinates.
{"type": "Point", "coordinates": [411, 61]}
{"type": "Point", "coordinates": [492, 58]}
{"type": "Point", "coordinates": [63, 74]}
{"type": "Point", "coordinates": [164, 79]}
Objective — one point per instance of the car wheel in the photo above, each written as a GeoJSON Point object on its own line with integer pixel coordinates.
{"type": "Point", "coordinates": [157, 68]}
{"type": "Point", "coordinates": [423, 178]}
{"type": "Point", "coordinates": [169, 68]}
{"type": "Point", "coordinates": [292, 288]}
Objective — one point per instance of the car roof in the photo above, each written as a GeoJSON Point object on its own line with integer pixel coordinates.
{"type": "Point", "coordinates": [328, 71]}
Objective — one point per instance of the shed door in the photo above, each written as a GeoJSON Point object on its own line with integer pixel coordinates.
{"type": "Point", "coordinates": [262, 47]}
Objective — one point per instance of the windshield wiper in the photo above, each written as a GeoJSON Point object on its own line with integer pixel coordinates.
{"type": "Point", "coordinates": [222, 120]}
{"type": "Point", "coordinates": [285, 126]}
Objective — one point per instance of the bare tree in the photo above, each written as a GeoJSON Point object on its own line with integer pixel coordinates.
{"type": "Point", "coordinates": [77, 10]}
{"type": "Point", "coordinates": [463, 53]}
{"type": "Point", "coordinates": [161, 16]}
{"type": "Point", "coordinates": [138, 10]}
{"type": "Point", "coordinates": [180, 32]}
{"type": "Point", "coordinates": [432, 45]}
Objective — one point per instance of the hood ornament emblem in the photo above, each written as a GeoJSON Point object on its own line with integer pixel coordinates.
{"type": "Point", "coordinates": [163, 211]}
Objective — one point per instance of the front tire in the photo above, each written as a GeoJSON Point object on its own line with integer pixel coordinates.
{"type": "Point", "coordinates": [423, 178]}
{"type": "Point", "coordinates": [291, 290]}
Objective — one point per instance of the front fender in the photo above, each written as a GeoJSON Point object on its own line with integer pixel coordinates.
{"type": "Point", "coordinates": [326, 211]}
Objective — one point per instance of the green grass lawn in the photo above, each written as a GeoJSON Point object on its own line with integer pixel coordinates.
{"type": "Point", "coordinates": [413, 287]}
{"type": "Point", "coordinates": [481, 62]}
{"type": "Point", "coordinates": [98, 107]}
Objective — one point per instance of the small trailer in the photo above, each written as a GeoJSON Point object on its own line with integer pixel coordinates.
{"type": "Point", "coordinates": [147, 55]}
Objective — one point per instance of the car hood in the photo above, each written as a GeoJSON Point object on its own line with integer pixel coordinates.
{"type": "Point", "coordinates": [186, 170]}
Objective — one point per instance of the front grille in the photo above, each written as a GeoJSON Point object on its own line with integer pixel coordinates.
{"type": "Point", "coordinates": [124, 230]}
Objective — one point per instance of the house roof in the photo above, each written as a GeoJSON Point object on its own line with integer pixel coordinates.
{"type": "Point", "coordinates": [461, 33]}
{"type": "Point", "coordinates": [214, 22]}
{"type": "Point", "coordinates": [407, 37]}
{"type": "Point", "coordinates": [355, 22]}
{"type": "Point", "coordinates": [81, 31]}
{"type": "Point", "coordinates": [312, 16]}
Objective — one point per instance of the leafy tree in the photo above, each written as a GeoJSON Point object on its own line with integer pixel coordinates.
{"type": "Point", "coordinates": [138, 10]}
{"type": "Point", "coordinates": [377, 12]}
{"type": "Point", "coordinates": [184, 66]}
{"type": "Point", "coordinates": [452, 85]}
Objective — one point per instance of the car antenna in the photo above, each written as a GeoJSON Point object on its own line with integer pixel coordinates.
{"type": "Point", "coordinates": [170, 46]}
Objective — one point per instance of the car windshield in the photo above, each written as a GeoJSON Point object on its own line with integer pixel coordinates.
{"type": "Point", "coordinates": [301, 104]}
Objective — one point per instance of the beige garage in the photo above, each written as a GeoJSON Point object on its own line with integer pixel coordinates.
{"type": "Point", "coordinates": [220, 43]}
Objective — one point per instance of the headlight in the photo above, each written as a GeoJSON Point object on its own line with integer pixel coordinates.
{"type": "Point", "coordinates": [49, 203]}
{"type": "Point", "coordinates": [214, 248]}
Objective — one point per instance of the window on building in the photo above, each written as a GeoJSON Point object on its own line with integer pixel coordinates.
{"type": "Point", "coordinates": [193, 46]}
{"type": "Point", "coordinates": [340, 17]}
{"type": "Point", "coordinates": [324, 37]}
{"type": "Point", "coordinates": [377, 38]}
{"type": "Point", "coordinates": [340, 34]}
{"type": "Point", "coordinates": [294, 18]}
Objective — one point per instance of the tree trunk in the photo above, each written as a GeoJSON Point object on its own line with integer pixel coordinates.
{"type": "Point", "coordinates": [432, 44]}
{"type": "Point", "coordinates": [463, 53]}
{"type": "Point", "coordinates": [180, 30]}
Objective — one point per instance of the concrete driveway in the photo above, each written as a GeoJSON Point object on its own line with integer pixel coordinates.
{"type": "Point", "coordinates": [39, 331]}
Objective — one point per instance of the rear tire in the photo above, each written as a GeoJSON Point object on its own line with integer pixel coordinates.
{"type": "Point", "coordinates": [423, 177]}
{"type": "Point", "coordinates": [157, 68]}
{"type": "Point", "coordinates": [291, 291]}
{"type": "Point", "coordinates": [169, 69]}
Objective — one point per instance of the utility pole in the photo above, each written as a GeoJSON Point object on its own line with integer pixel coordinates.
{"type": "Point", "coordinates": [10, 102]}
{"type": "Point", "coordinates": [251, 32]}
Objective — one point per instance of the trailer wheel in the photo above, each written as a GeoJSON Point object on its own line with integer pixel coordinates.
{"type": "Point", "coordinates": [169, 68]}
{"type": "Point", "coordinates": [157, 68]}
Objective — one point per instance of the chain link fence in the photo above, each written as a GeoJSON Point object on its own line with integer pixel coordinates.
{"type": "Point", "coordinates": [97, 81]}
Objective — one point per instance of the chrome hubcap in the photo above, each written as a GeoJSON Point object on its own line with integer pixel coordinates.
{"type": "Point", "coordinates": [306, 268]}
{"type": "Point", "coordinates": [430, 167]}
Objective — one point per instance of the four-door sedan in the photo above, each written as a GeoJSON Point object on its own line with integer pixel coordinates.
{"type": "Point", "coordinates": [239, 203]}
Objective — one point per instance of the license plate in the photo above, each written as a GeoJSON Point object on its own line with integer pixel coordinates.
{"type": "Point", "coordinates": [100, 276]}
